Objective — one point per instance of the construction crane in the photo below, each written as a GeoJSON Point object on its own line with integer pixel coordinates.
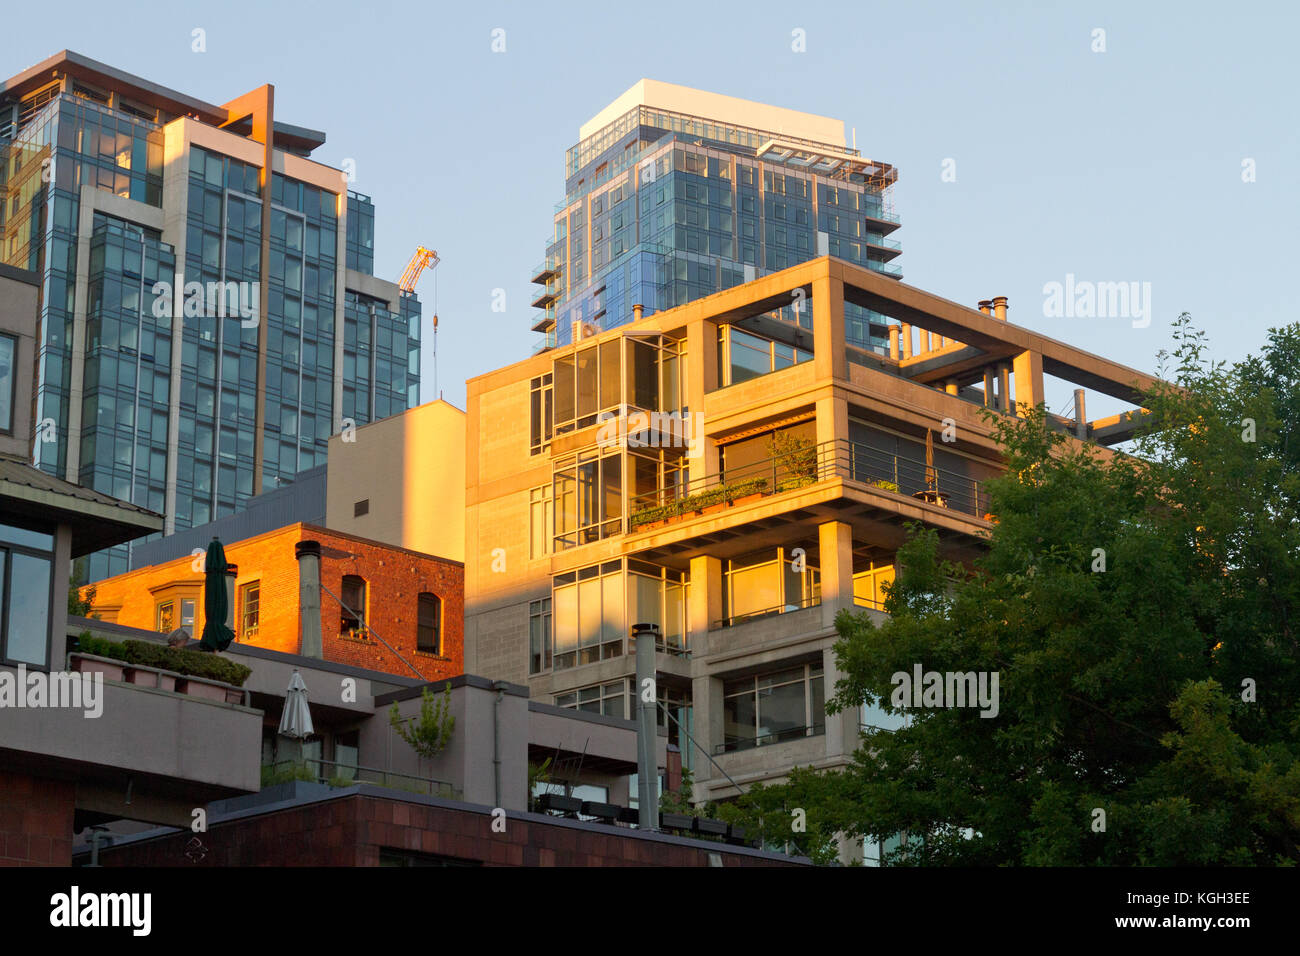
{"type": "Point", "coordinates": [423, 259]}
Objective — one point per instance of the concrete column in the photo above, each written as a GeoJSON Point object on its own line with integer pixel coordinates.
{"type": "Point", "coordinates": [950, 386]}
{"type": "Point", "coordinates": [701, 378]}
{"type": "Point", "coordinates": [835, 539]}
{"type": "Point", "coordinates": [309, 610]}
{"type": "Point", "coordinates": [1029, 380]}
{"type": "Point", "coordinates": [706, 702]}
{"type": "Point", "coordinates": [704, 603]}
{"type": "Point", "coordinates": [989, 400]}
{"type": "Point", "coordinates": [893, 342]}
{"type": "Point", "coordinates": [907, 340]}
{"type": "Point", "coordinates": [829, 356]}
{"type": "Point", "coordinates": [1080, 416]}
{"type": "Point", "coordinates": [1004, 387]}
{"type": "Point", "coordinates": [832, 434]}
{"type": "Point", "coordinates": [841, 728]}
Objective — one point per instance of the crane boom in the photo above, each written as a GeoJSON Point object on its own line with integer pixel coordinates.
{"type": "Point", "coordinates": [423, 259]}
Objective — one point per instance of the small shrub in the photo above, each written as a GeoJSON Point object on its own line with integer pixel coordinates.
{"type": "Point", "coordinates": [175, 659]}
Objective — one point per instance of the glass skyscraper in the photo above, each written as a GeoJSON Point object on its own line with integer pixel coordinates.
{"type": "Point", "coordinates": [672, 194]}
{"type": "Point", "coordinates": [209, 311]}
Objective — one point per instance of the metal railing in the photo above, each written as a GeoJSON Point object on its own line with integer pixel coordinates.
{"type": "Point", "coordinates": [732, 744]}
{"type": "Point", "coordinates": [347, 774]}
{"type": "Point", "coordinates": [791, 470]}
{"type": "Point", "coordinates": [743, 617]}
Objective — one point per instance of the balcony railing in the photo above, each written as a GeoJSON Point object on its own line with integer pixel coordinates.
{"type": "Point", "coordinates": [732, 744]}
{"type": "Point", "coordinates": [812, 600]}
{"type": "Point", "coordinates": [790, 470]}
{"type": "Point", "coordinates": [333, 772]}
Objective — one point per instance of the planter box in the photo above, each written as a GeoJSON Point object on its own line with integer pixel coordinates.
{"type": "Point", "coordinates": [748, 498]}
{"type": "Point", "coordinates": [234, 695]}
{"type": "Point", "coordinates": [112, 670]}
{"type": "Point", "coordinates": [199, 688]}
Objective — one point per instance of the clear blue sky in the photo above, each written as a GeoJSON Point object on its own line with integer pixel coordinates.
{"type": "Point", "coordinates": [1117, 166]}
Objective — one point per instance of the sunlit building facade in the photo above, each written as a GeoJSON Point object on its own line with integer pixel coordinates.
{"type": "Point", "coordinates": [673, 194]}
{"type": "Point", "coordinates": [209, 312]}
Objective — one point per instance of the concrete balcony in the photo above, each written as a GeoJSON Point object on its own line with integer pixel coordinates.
{"type": "Point", "coordinates": [152, 754]}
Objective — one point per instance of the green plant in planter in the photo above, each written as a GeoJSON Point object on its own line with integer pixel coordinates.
{"type": "Point", "coordinates": [796, 455]}
{"type": "Point", "coordinates": [887, 485]}
{"type": "Point", "coordinates": [175, 659]}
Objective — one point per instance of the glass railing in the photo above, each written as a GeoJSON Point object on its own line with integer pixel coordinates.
{"type": "Point", "coordinates": [792, 470]}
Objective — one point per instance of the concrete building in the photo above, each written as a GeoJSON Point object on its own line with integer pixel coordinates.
{"type": "Point", "coordinates": [383, 608]}
{"type": "Point", "coordinates": [208, 310]}
{"type": "Point", "coordinates": [672, 194]}
{"type": "Point", "coordinates": [737, 478]}
{"type": "Point", "coordinates": [402, 480]}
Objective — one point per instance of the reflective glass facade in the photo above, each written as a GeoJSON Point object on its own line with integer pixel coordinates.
{"type": "Point", "coordinates": [170, 421]}
{"type": "Point", "coordinates": [663, 208]}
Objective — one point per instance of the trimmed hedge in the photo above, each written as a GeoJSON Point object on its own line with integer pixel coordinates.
{"type": "Point", "coordinates": [178, 660]}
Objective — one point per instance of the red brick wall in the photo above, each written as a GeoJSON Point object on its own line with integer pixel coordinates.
{"type": "Point", "coordinates": [35, 820]}
{"type": "Point", "coordinates": [350, 831]}
{"type": "Point", "coordinates": [394, 579]}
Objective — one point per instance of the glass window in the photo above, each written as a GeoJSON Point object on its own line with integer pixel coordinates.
{"type": "Point", "coordinates": [250, 610]}
{"type": "Point", "coordinates": [429, 632]}
{"type": "Point", "coordinates": [353, 599]}
{"type": "Point", "coordinates": [8, 382]}
{"type": "Point", "coordinates": [772, 707]}
{"type": "Point", "coordinates": [25, 587]}
{"type": "Point", "coordinates": [539, 636]}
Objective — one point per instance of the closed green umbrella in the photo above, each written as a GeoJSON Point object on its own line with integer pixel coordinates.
{"type": "Point", "coordinates": [216, 636]}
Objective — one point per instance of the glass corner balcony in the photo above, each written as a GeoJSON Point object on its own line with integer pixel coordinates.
{"type": "Point", "coordinates": [791, 470]}
{"type": "Point", "coordinates": [546, 270]}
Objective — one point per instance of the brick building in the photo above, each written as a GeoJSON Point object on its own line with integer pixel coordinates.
{"type": "Point", "coordinates": [311, 825]}
{"type": "Point", "coordinates": [373, 595]}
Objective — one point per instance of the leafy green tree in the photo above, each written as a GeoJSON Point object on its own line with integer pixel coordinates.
{"type": "Point", "coordinates": [78, 605]}
{"type": "Point", "coordinates": [1138, 611]}
{"type": "Point", "coordinates": [429, 734]}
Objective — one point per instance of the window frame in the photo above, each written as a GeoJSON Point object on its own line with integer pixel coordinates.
{"type": "Point", "coordinates": [358, 624]}
{"type": "Point", "coordinates": [420, 626]}
{"type": "Point", "coordinates": [10, 401]}
{"type": "Point", "coordinates": [254, 589]}
{"type": "Point", "coordinates": [9, 546]}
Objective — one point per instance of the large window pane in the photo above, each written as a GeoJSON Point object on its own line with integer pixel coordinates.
{"type": "Point", "coordinates": [29, 609]}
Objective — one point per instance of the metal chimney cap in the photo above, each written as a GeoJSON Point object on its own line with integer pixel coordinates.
{"type": "Point", "coordinates": [644, 629]}
{"type": "Point", "coordinates": [306, 549]}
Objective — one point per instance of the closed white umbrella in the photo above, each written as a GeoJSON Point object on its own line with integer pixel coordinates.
{"type": "Point", "coordinates": [295, 721]}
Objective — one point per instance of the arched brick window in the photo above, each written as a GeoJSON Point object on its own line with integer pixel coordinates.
{"type": "Point", "coordinates": [428, 635]}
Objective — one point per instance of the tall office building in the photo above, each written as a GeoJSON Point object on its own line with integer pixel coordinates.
{"type": "Point", "coordinates": [209, 313]}
{"type": "Point", "coordinates": [672, 194]}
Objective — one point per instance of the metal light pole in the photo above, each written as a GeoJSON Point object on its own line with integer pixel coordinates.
{"type": "Point", "coordinates": [646, 637]}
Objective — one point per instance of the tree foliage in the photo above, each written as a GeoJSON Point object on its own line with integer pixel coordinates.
{"type": "Point", "coordinates": [1137, 608]}
{"type": "Point", "coordinates": [429, 734]}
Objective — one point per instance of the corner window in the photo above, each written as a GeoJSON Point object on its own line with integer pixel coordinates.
{"type": "Point", "coordinates": [353, 599]}
{"type": "Point", "coordinates": [773, 707]}
{"type": "Point", "coordinates": [608, 699]}
{"type": "Point", "coordinates": [428, 636]}
{"type": "Point", "coordinates": [589, 615]}
{"type": "Point", "coordinates": [26, 587]}
{"type": "Point", "coordinates": [250, 601]}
